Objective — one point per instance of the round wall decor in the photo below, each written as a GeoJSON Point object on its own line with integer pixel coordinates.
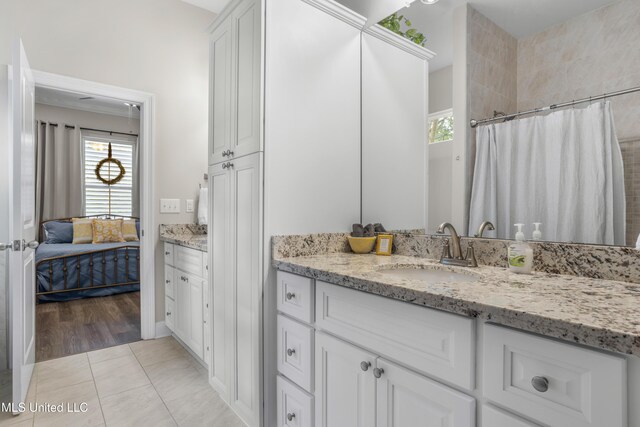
{"type": "Point", "coordinates": [107, 161]}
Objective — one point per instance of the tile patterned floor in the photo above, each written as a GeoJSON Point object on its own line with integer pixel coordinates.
{"type": "Point", "coordinates": [147, 383]}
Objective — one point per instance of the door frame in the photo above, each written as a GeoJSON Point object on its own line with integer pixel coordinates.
{"type": "Point", "coordinates": [148, 239]}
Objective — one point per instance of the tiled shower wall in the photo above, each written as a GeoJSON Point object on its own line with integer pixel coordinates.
{"type": "Point", "coordinates": [631, 158]}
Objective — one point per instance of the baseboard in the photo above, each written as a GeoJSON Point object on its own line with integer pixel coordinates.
{"type": "Point", "coordinates": [162, 330]}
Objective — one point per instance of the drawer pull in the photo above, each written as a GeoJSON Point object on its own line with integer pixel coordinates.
{"type": "Point", "coordinates": [364, 365]}
{"type": "Point", "coordinates": [291, 416]}
{"type": "Point", "coordinates": [184, 279]}
{"type": "Point", "coordinates": [541, 384]}
{"type": "Point", "coordinates": [167, 253]}
{"type": "Point", "coordinates": [167, 281]}
{"type": "Point", "coordinates": [291, 352]}
{"type": "Point", "coordinates": [168, 313]}
{"type": "Point", "coordinates": [290, 295]}
{"type": "Point", "coordinates": [377, 372]}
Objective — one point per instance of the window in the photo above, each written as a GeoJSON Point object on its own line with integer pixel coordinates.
{"type": "Point", "coordinates": [96, 193]}
{"type": "Point", "coordinates": [441, 127]}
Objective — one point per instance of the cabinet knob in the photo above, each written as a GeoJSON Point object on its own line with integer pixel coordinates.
{"type": "Point", "coordinates": [167, 281]}
{"type": "Point", "coordinates": [227, 165]}
{"type": "Point", "coordinates": [377, 372]}
{"type": "Point", "coordinates": [541, 384]}
{"type": "Point", "coordinates": [291, 416]}
{"type": "Point", "coordinates": [167, 253]}
{"type": "Point", "coordinates": [168, 313]}
{"type": "Point", "coordinates": [290, 295]}
{"type": "Point", "coordinates": [291, 352]}
{"type": "Point", "coordinates": [364, 365]}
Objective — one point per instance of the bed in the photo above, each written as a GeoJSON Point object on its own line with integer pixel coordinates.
{"type": "Point", "coordinates": [67, 271]}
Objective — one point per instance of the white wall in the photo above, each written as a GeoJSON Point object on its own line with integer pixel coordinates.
{"type": "Point", "coordinates": [440, 155]}
{"type": "Point", "coordinates": [87, 119]}
{"type": "Point", "coordinates": [157, 46]}
{"type": "Point", "coordinates": [441, 89]}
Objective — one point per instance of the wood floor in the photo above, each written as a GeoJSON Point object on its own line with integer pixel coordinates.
{"type": "Point", "coordinates": [79, 326]}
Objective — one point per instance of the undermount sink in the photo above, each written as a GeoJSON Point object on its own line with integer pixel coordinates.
{"type": "Point", "coordinates": [428, 275]}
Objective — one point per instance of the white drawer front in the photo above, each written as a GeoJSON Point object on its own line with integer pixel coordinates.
{"type": "Point", "coordinates": [430, 341]}
{"type": "Point", "coordinates": [189, 260]}
{"type": "Point", "coordinates": [295, 296]}
{"type": "Point", "coordinates": [294, 406]}
{"type": "Point", "coordinates": [555, 383]}
{"type": "Point", "coordinates": [169, 285]}
{"type": "Point", "coordinates": [295, 352]}
{"type": "Point", "coordinates": [168, 253]}
{"type": "Point", "coordinates": [492, 417]}
{"type": "Point", "coordinates": [169, 313]}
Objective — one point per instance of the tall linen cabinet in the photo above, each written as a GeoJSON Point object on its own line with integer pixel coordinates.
{"type": "Point", "coordinates": [285, 120]}
{"type": "Point", "coordinates": [283, 102]}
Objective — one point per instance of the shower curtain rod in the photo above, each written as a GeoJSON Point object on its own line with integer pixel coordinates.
{"type": "Point", "coordinates": [111, 132]}
{"type": "Point", "coordinates": [475, 123]}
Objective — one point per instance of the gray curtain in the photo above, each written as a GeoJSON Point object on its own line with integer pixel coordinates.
{"type": "Point", "coordinates": [58, 171]}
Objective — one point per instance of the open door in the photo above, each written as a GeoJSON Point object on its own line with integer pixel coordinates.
{"type": "Point", "coordinates": [23, 226]}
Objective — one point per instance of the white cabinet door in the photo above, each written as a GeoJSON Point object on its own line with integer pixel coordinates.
{"type": "Point", "coordinates": [246, 286]}
{"type": "Point", "coordinates": [245, 99]}
{"type": "Point", "coordinates": [196, 335]}
{"type": "Point", "coordinates": [182, 318]}
{"type": "Point", "coordinates": [394, 135]}
{"type": "Point", "coordinates": [206, 322]}
{"type": "Point", "coordinates": [220, 91]}
{"type": "Point", "coordinates": [221, 277]}
{"type": "Point", "coordinates": [345, 385]}
{"type": "Point", "coordinates": [407, 399]}
{"type": "Point", "coordinates": [188, 325]}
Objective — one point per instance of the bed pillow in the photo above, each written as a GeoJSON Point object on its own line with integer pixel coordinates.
{"type": "Point", "coordinates": [107, 231]}
{"type": "Point", "coordinates": [82, 230]}
{"type": "Point", "coordinates": [58, 232]}
{"type": "Point", "coordinates": [129, 230]}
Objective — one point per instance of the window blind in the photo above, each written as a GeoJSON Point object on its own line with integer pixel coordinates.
{"type": "Point", "coordinates": [97, 193]}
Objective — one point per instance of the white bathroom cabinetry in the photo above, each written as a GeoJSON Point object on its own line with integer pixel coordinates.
{"type": "Point", "coordinates": [236, 212]}
{"type": "Point", "coordinates": [235, 55]}
{"type": "Point", "coordinates": [185, 287]}
{"type": "Point", "coordinates": [383, 362]}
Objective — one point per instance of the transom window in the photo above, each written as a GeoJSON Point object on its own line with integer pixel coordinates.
{"type": "Point", "coordinates": [441, 127]}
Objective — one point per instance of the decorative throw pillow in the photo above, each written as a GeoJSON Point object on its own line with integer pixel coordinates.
{"type": "Point", "coordinates": [107, 231]}
{"type": "Point", "coordinates": [58, 232]}
{"type": "Point", "coordinates": [82, 230]}
{"type": "Point", "coordinates": [129, 230]}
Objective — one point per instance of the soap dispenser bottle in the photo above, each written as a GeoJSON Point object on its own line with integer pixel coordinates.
{"type": "Point", "coordinates": [520, 254]}
{"type": "Point", "coordinates": [537, 234]}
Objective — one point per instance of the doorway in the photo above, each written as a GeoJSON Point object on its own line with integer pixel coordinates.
{"type": "Point", "coordinates": [87, 265]}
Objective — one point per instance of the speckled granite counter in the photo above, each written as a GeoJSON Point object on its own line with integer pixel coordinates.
{"type": "Point", "coordinates": [189, 235]}
{"type": "Point", "coordinates": [594, 312]}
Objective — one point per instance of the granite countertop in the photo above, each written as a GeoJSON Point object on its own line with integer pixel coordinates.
{"type": "Point", "coordinates": [192, 236]}
{"type": "Point", "coordinates": [593, 312]}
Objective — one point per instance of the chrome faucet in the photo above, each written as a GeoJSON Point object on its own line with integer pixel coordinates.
{"type": "Point", "coordinates": [454, 247]}
{"type": "Point", "coordinates": [488, 225]}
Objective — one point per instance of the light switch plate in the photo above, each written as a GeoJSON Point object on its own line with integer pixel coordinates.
{"type": "Point", "coordinates": [169, 205]}
{"type": "Point", "coordinates": [189, 205]}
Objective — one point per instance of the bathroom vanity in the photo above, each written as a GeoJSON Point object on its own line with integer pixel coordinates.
{"type": "Point", "coordinates": [186, 287]}
{"type": "Point", "coordinates": [365, 340]}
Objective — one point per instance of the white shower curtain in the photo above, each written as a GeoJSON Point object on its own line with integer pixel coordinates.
{"type": "Point", "coordinates": [563, 170]}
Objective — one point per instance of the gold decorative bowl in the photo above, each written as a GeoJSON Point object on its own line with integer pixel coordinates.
{"type": "Point", "coordinates": [362, 245]}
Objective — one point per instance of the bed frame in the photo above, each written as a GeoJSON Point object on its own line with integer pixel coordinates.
{"type": "Point", "coordinates": [72, 283]}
